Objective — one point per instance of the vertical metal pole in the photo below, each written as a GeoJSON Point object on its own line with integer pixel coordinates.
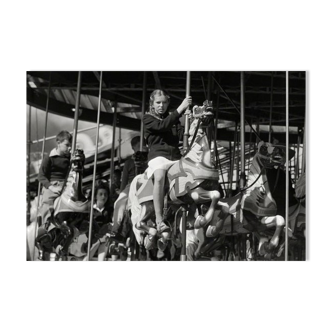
{"type": "Point", "coordinates": [250, 144]}
{"type": "Point", "coordinates": [95, 165]}
{"type": "Point", "coordinates": [77, 109]}
{"type": "Point", "coordinates": [230, 177]}
{"type": "Point", "coordinates": [304, 128]}
{"type": "Point", "coordinates": [113, 143]}
{"type": "Point", "coordinates": [243, 138]}
{"type": "Point", "coordinates": [217, 115]}
{"type": "Point", "coordinates": [143, 110]}
{"type": "Point", "coordinates": [271, 109]}
{"type": "Point", "coordinates": [28, 166]}
{"type": "Point", "coordinates": [233, 160]}
{"type": "Point", "coordinates": [42, 157]}
{"type": "Point", "coordinates": [185, 147]}
{"type": "Point", "coordinates": [119, 149]}
{"type": "Point", "coordinates": [297, 166]}
{"type": "Point", "coordinates": [184, 235]}
{"type": "Point", "coordinates": [209, 129]}
{"type": "Point", "coordinates": [287, 164]}
{"type": "Point", "coordinates": [45, 135]}
{"type": "Point", "coordinates": [186, 121]}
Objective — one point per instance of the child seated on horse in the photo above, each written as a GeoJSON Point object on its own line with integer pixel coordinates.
{"type": "Point", "coordinates": [53, 172]}
{"type": "Point", "coordinates": [162, 137]}
{"type": "Point", "coordinates": [128, 174]}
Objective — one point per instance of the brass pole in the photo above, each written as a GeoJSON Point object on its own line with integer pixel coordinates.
{"type": "Point", "coordinates": [77, 109]}
{"type": "Point", "coordinates": [143, 109]}
{"type": "Point", "coordinates": [287, 164]}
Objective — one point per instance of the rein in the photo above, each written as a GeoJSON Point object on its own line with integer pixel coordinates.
{"type": "Point", "coordinates": [194, 137]}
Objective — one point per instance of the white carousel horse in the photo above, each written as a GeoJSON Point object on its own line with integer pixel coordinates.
{"type": "Point", "coordinates": [67, 220]}
{"type": "Point", "coordinates": [192, 180]}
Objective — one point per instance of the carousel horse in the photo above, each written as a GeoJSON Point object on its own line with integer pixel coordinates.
{"type": "Point", "coordinates": [67, 219]}
{"type": "Point", "coordinates": [297, 221]}
{"type": "Point", "coordinates": [191, 181]}
{"type": "Point", "coordinates": [255, 209]}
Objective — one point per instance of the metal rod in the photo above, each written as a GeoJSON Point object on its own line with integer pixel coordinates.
{"type": "Point", "coordinates": [271, 109]}
{"type": "Point", "coordinates": [77, 107]}
{"type": "Point", "coordinates": [230, 167]}
{"type": "Point", "coordinates": [119, 149]}
{"type": "Point", "coordinates": [232, 160]}
{"type": "Point", "coordinates": [113, 144]}
{"type": "Point", "coordinates": [297, 166]}
{"type": "Point", "coordinates": [208, 94]}
{"type": "Point", "coordinates": [216, 118]}
{"type": "Point", "coordinates": [243, 138]}
{"type": "Point", "coordinates": [185, 147]}
{"type": "Point", "coordinates": [287, 166]}
{"type": "Point", "coordinates": [183, 256]}
{"type": "Point", "coordinates": [143, 109]}
{"type": "Point", "coordinates": [186, 120]}
{"type": "Point", "coordinates": [232, 102]}
{"type": "Point", "coordinates": [95, 165]}
{"type": "Point", "coordinates": [38, 221]}
{"type": "Point", "coordinates": [304, 127]}
{"type": "Point", "coordinates": [28, 166]}
{"type": "Point", "coordinates": [44, 138]}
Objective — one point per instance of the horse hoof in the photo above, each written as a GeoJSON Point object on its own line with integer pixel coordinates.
{"type": "Point", "coordinates": [200, 222]}
{"type": "Point", "coordinates": [162, 244]}
{"type": "Point", "coordinates": [211, 231]}
{"type": "Point", "coordinates": [150, 242]}
{"type": "Point", "coordinates": [152, 231]}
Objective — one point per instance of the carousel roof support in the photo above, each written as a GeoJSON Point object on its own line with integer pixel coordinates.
{"type": "Point", "coordinates": [43, 150]}
{"type": "Point", "coordinates": [242, 174]}
{"type": "Point", "coordinates": [28, 164]}
{"type": "Point", "coordinates": [186, 120]}
{"type": "Point", "coordinates": [287, 165]}
{"type": "Point", "coordinates": [185, 147]}
{"type": "Point", "coordinates": [95, 164]}
{"type": "Point", "coordinates": [45, 131]}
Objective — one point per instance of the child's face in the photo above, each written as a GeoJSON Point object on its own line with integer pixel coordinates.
{"type": "Point", "coordinates": [101, 197]}
{"type": "Point", "coordinates": [64, 147]}
{"type": "Point", "coordinates": [160, 104]}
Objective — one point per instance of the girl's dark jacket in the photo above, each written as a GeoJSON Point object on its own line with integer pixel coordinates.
{"type": "Point", "coordinates": [163, 135]}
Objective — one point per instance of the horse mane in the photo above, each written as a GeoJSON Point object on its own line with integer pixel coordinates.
{"type": "Point", "coordinates": [300, 186]}
{"type": "Point", "coordinates": [258, 197]}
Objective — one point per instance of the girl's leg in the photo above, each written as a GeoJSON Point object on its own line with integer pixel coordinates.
{"type": "Point", "coordinates": [158, 199]}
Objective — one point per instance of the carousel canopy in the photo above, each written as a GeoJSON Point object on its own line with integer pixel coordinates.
{"type": "Point", "coordinates": [265, 97]}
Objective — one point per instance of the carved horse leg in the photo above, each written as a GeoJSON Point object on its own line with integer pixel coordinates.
{"type": "Point", "coordinates": [200, 195]}
{"type": "Point", "coordinates": [265, 245]}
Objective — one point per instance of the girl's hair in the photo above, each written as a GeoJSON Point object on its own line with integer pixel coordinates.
{"type": "Point", "coordinates": [64, 135]}
{"type": "Point", "coordinates": [152, 97]}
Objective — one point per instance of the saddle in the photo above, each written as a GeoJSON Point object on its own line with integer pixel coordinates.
{"type": "Point", "coordinates": [183, 176]}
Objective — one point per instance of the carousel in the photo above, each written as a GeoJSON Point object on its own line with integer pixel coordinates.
{"type": "Point", "coordinates": [237, 193]}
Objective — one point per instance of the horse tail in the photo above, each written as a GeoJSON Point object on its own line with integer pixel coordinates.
{"type": "Point", "coordinates": [135, 207]}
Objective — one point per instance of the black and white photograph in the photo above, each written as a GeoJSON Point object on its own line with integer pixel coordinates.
{"type": "Point", "coordinates": [166, 165]}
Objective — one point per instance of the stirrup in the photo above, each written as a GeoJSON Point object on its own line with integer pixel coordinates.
{"type": "Point", "coordinates": [163, 228]}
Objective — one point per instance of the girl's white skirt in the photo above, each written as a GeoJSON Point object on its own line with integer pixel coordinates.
{"type": "Point", "coordinates": [158, 163]}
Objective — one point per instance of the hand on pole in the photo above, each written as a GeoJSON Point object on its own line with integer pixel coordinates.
{"type": "Point", "coordinates": [185, 104]}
